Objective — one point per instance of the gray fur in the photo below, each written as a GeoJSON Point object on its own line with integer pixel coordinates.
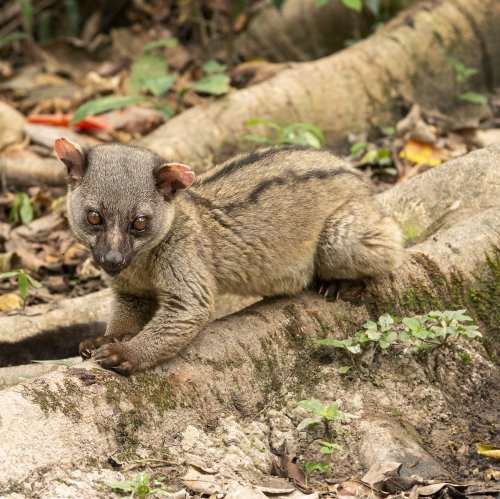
{"type": "Point", "coordinates": [265, 223]}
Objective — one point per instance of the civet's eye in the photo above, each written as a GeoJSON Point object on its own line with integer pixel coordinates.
{"type": "Point", "coordinates": [140, 223]}
{"type": "Point", "coordinates": [93, 218]}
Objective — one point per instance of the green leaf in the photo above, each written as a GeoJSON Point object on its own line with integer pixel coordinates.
{"type": "Point", "coordinates": [391, 336]}
{"type": "Point", "coordinates": [23, 284]}
{"type": "Point", "coordinates": [370, 325]}
{"type": "Point", "coordinates": [358, 147]}
{"type": "Point", "coordinates": [332, 342]}
{"type": "Point", "coordinates": [384, 344]}
{"type": "Point", "coordinates": [102, 105]}
{"type": "Point", "coordinates": [125, 485]}
{"type": "Point", "coordinates": [278, 3]}
{"type": "Point", "coordinates": [474, 98]}
{"type": "Point", "coordinates": [215, 84]}
{"type": "Point", "coordinates": [313, 405]}
{"type": "Point", "coordinates": [321, 467]}
{"type": "Point", "coordinates": [8, 275]}
{"type": "Point", "coordinates": [373, 6]}
{"type": "Point", "coordinates": [12, 37]}
{"type": "Point", "coordinates": [162, 42]}
{"type": "Point", "coordinates": [260, 121]}
{"type": "Point", "coordinates": [147, 66]}
{"type": "Point", "coordinates": [159, 86]}
{"type": "Point", "coordinates": [332, 412]}
{"type": "Point", "coordinates": [165, 109]}
{"type": "Point", "coordinates": [26, 209]}
{"type": "Point", "coordinates": [385, 322]}
{"type": "Point", "coordinates": [34, 282]}
{"type": "Point", "coordinates": [26, 13]}
{"type": "Point", "coordinates": [413, 324]}
{"type": "Point", "coordinates": [356, 5]}
{"type": "Point", "coordinates": [320, 3]}
{"type": "Point", "coordinates": [374, 335]}
{"type": "Point", "coordinates": [304, 134]}
{"type": "Point", "coordinates": [465, 356]}
{"type": "Point", "coordinates": [354, 348]}
{"type": "Point", "coordinates": [344, 369]}
{"type": "Point", "coordinates": [307, 423]}
{"type": "Point", "coordinates": [405, 336]}
{"type": "Point", "coordinates": [213, 66]}
{"type": "Point", "coordinates": [253, 137]}
{"type": "Point", "coordinates": [421, 334]}
{"type": "Point", "coordinates": [390, 131]}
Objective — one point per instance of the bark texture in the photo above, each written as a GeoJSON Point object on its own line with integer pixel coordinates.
{"type": "Point", "coordinates": [244, 363]}
{"type": "Point", "coordinates": [355, 90]}
{"type": "Point", "coordinates": [302, 30]}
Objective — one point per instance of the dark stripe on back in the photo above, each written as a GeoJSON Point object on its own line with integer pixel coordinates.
{"type": "Point", "coordinates": [291, 177]}
{"type": "Point", "coordinates": [249, 159]}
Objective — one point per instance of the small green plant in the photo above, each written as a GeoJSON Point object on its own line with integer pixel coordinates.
{"type": "Point", "coordinates": [24, 281]}
{"type": "Point", "coordinates": [140, 486]}
{"type": "Point", "coordinates": [216, 81]}
{"type": "Point", "coordinates": [303, 134]}
{"type": "Point", "coordinates": [419, 333]}
{"type": "Point", "coordinates": [21, 209]}
{"type": "Point", "coordinates": [380, 157]}
{"type": "Point", "coordinates": [462, 74]}
{"type": "Point", "coordinates": [320, 466]}
{"type": "Point", "coordinates": [322, 415]}
{"type": "Point", "coordinates": [465, 356]}
{"type": "Point", "coordinates": [149, 75]}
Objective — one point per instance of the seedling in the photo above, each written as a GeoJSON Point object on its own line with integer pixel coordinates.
{"type": "Point", "coordinates": [419, 333]}
{"type": "Point", "coordinates": [216, 81]}
{"type": "Point", "coordinates": [320, 466]}
{"type": "Point", "coordinates": [303, 134]}
{"type": "Point", "coordinates": [24, 281]}
{"type": "Point", "coordinates": [462, 74]}
{"type": "Point", "coordinates": [323, 415]}
{"type": "Point", "coordinates": [21, 209]}
{"type": "Point", "coordinates": [139, 486]}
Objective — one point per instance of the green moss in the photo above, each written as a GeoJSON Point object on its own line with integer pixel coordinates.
{"type": "Point", "coordinates": [484, 299]}
{"type": "Point", "coordinates": [65, 398]}
{"type": "Point", "coordinates": [411, 234]}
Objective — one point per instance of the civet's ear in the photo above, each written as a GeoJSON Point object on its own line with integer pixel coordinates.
{"type": "Point", "coordinates": [171, 177]}
{"type": "Point", "coordinates": [72, 156]}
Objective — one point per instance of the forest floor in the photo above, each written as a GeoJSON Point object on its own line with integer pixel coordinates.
{"type": "Point", "coordinates": [41, 92]}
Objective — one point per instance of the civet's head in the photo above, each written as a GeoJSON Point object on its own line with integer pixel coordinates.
{"type": "Point", "coordinates": [120, 199]}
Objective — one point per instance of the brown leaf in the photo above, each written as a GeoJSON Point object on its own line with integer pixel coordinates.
{"type": "Point", "coordinates": [10, 301]}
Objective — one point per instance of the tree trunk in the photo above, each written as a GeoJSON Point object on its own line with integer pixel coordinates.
{"type": "Point", "coordinates": [359, 89]}
{"type": "Point", "coordinates": [302, 30]}
{"type": "Point", "coordinates": [264, 357]}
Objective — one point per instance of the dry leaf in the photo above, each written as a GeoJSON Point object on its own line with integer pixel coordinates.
{"type": "Point", "coordinates": [10, 301]}
{"type": "Point", "coordinates": [423, 154]}
{"type": "Point", "coordinates": [491, 451]}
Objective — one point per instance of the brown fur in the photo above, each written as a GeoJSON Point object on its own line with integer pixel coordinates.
{"type": "Point", "coordinates": [265, 223]}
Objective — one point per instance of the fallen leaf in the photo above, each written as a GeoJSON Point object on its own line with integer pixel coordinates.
{"type": "Point", "coordinates": [201, 482]}
{"type": "Point", "coordinates": [11, 125]}
{"type": "Point", "coordinates": [10, 301]}
{"type": "Point", "coordinates": [492, 474]}
{"type": "Point", "coordinates": [488, 450]}
{"type": "Point", "coordinates": [351, 489]}
{"type": "Point", "coordinates": [423, 154]}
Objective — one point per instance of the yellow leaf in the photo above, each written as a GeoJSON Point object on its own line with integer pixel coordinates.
{"type": "Point", "coordinates": [423, 153]}
{"type": "Point", "coordinates": [10, 301]}
{"type": "Point", "coordinates": [491, 451]}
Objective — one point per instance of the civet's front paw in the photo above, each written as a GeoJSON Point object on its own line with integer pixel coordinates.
{"type": "Point", "coordinates": [116, 356]}
{"type": "Point", "coordinates": [90, 345]}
